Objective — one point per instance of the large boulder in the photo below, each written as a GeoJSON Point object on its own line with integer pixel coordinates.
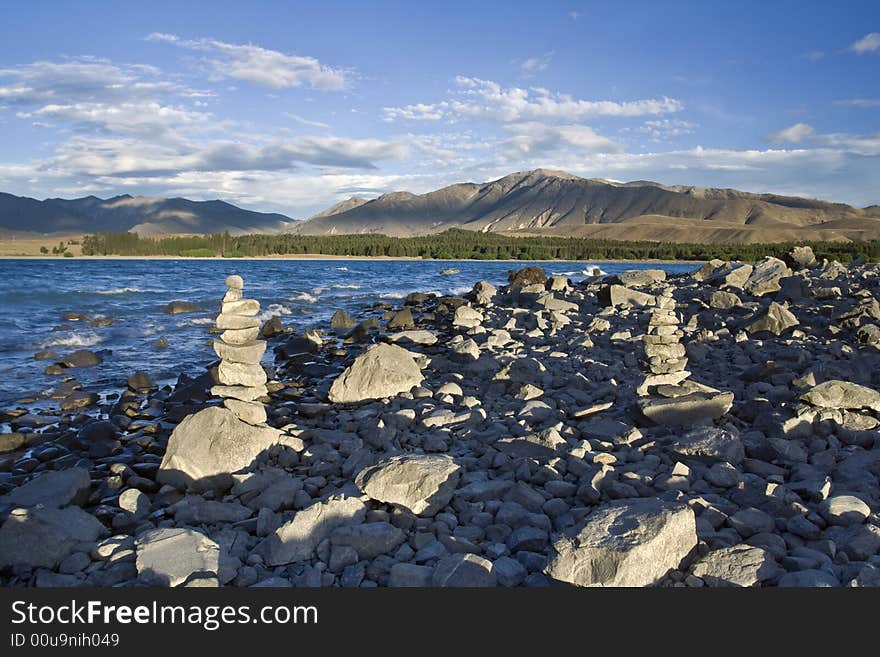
{"type": "Point", "coordinates": [527, 276]}
{"type": "Point", "coordinates": [483, 293]}
{"type": "Point", "coordinates": [467, 317]}
{"type": "Point", "coordinates": [637, 277]}
{"type": "Point", "coordinates": [731, 276]}
{"type": "Point", "coordinates": [271, 329]}
{"type": "Point", "coordinates": [384, 370]}
{"type": "Point", "coordinates": [196, 510]}
{"type": "Point", "coordinates": [172, 555]}
{"type": "Point", "coordinates": [687, 410]}
{"type": "Point", "coordinates": [369, 540]}
{"type": "Point", "coordinates": [402, 319]}
{"type": "Point", "coordinates": [52, 489]}
{"type": "Point", "coordinates": [845, 510]}
{"type": "Point", "coordinates": [178, 307]}
{"type": "Point", "coordinates": [843, 395]}
{"type": "Point", "coordinates": [721, 300]}
{"type": "Point", "coordinates": [800, 257]}
{"type": "Point", "coordinates": [712, 267]}
{"type": "Point", "coordinates": [618, 295]}
{"type": "Point", "coordinates": [626, 543]}
{"type": "Point", "coordinates": [776, 319]}
{"type": "Point", "coordinates": [297, 539]}
{"type": "Point", "coordinates": [464, 570]}
{"type": "Point", "coordinates": [208, 447]}
{"type": "Point", "coordinates": [708, 445]}
{"type": "Point", "coordinates": [764, 278]}
{"type": "Point", "coordinates": [420, 483]}
{"type": "Point", "coordinates": [418, 336]}
{"type": "Point", "coordinates": [81, 358]}
{"type": "Point", "coordinates": [738, 565]}
{"type": "Point", "coordinates": [42, 537]}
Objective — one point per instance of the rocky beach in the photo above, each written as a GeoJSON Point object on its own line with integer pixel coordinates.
{"type": "Point", "coordinates": [702, 429]}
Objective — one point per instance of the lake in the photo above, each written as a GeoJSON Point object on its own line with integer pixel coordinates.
{"type": "Point", "coordinates": [34, 294]}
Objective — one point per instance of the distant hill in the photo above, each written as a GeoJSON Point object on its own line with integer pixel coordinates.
{"type": "Point", "coordinates": [539, 202]}
{"type": "Point", "coordinates": [22, 216]}
{"type": "Point", "coordinates": [545, 202]}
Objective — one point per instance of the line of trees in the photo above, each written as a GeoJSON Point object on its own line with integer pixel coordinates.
{"type": "Point", "coordinates": [455, 244]}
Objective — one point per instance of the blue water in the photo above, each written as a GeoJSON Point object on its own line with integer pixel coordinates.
{"type": "Point", "coordinates": [35, 293]}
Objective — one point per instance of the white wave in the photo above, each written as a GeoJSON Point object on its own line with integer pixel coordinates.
{"type": "Point", "coordinates": [393, 295]}
{"type": "Point", "coordinates": [592, 271]}
{"type": "Point", "coordinates": [317, 291]}
{"type": "Point", "coordinates": [196, 321]}
{"type": "Point", "coordinates": [118, 290]}
{"type": "Point", "coordinates": [341, 268]}
{"type": "Point", "coordinates": [87, 339]}
{"type": "Point", "coordinates": [457, 291]}
{"type": "Point", "coordinates": [346, 287]}
{"type": "Point", "coordinates": [566, 273]}
{"type": "Point", "coordinates": [274, 310]}
{"type": "Point", "coordinates": [304, 296]}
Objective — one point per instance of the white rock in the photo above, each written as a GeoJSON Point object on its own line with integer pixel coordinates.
{"type": "Point", "coordinates": [845, 510]}
{"type": "Point", "coordinates": [382, 371]}
{"type": "Point", "coordinates": [297, 539]}
{"type": "Point", "coordinates": [738, 565]}
{"type": "Point", "coordinates": [42, 537]}
{"type": "Point", "coordinates": [420, 483]}
{"type": "Point", "coordinates": [626, 543]}
{"type": "Point", "coordinates": [241, 374]}
{"type": "Point", "coordinates": [52, 489]}
{"type": "Point", "coordinates": [207, 447]}
{"type": "Point", "coordinates": [467, 317]}
{"type": "Point", "coordinates": [170, 556]}
{"type": "Point", "coordinates": [250, 412]}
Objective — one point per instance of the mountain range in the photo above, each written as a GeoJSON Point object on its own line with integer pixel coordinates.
{"type": "Point", "coordinates": [539, 202]}
{"type": "Point", "coordinates": [21, 216]}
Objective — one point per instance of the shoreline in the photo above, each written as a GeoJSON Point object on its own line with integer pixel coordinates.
{"type": "Point", "coordinates": [336, 258]}
{"type": "Point", "coordinates": [546, 406]}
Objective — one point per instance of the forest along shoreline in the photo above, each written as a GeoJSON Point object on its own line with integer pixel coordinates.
{"type": "Point", "coordinates": [708, 429]}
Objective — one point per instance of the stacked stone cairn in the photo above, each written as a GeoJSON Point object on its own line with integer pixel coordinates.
{"type": "Point", "coordinates": [242, 380]}
{"type": "Point", "coordinates": [669, 398]}
{"type": "Point", "coordinates": [665, 357]}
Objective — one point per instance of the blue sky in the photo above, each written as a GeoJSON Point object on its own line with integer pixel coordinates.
{"type": "Point", "coordinates": [292, 106]}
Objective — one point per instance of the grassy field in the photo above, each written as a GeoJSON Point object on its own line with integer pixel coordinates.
{"type": "Point", "coordinates": [10, 248]}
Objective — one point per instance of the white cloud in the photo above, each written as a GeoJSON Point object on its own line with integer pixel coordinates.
{"type": "Point", "coordinates": [534, 65]}
{"type": "Point", "coordinates": [148, 119]}
{"type": "Point", "coordinates": [533, 139]}
{"type": "Point", "coordinates": [866, 145]}
{"type": "Point", "coordinates": [125, 157]}
{"type": "Point", "coordinates": [662, 129]}
{"type": "Point", "coordinates": [793, 134]}
{"type": "Point", "coordinates": [88, 94]}
{"type": "Point", "coordinates": [123, 122]}
{"type": "Point", "coordinates": [86, 79]}
{"type": "Point", "coordinates": [262, 66]}
{"type": "Point", "coordinates": [417, 112]}
{"type": "Point", "coordinates": [859, 102]}
{"type": "Point", "coordinates": [827, 173]}
{"type": "Point", "coordinates": [868, 43]}
{"type": "Point", "coordinates": [305, 121]}
{"type": "Point", "coordinates": [477, 99]}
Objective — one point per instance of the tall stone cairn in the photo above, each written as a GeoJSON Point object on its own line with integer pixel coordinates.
{"type": "Point", "coordinates": [242, 378]}
{"type": "Point", "coordinates": [665, 358]}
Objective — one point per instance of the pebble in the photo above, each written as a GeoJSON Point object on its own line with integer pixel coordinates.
{"type": "Point", "coordinates": [525, 412]}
